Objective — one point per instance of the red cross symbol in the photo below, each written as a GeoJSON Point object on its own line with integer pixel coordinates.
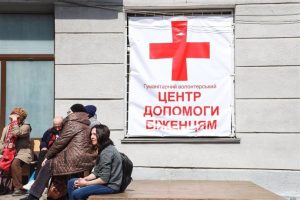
{"type": "Point", "coordinates": [179, 50]}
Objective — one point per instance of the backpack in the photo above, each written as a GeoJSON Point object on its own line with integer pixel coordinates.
{"type": "Point", "coordinates": [127, 167]}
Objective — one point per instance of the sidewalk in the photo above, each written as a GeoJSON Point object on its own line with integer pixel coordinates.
{"type": "Point", "coordinates": [11, 197]}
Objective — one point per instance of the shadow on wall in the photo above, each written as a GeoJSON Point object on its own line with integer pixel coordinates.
{"type": "Point", "coordinates": [109, 8]}
{"type": "Point", "coordinates": [37, 23]}
{"type": "Point", "coordinates": [100, 10]}
{"type": "Point", "coordinates": [97, 10]}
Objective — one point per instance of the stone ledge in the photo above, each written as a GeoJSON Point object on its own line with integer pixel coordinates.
{"type": "Point", "coordinates": [203, 140]}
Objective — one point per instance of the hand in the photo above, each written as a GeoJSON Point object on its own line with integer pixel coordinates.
{"type": "Point", "coordinates": [44, 162]}
{"type": "Point", "coordinates": [80, 182]}
{"type": "Point", "coordinates": [76, 182]}
{"type": "Point", "coordinates": [44, 149]}
{"type": "Point", "coordinates": [14, 117]}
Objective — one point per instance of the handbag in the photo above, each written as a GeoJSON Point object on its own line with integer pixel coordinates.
{"type": "Point", "coordinates": [9, 150]}
{"type": "Point", "coordinates": [7, 158]}
{"type": "Point", "coordinates": [57, 189]}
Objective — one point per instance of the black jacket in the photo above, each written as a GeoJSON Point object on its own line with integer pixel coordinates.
{"type": "Point", "coordinates": [47, 136]}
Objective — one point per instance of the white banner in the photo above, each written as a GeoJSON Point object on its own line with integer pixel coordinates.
{"type": "Point", "coordinates": [181, 76]}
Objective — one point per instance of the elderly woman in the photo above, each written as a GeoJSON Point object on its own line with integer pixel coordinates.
{"type": "Point", "coordinates": [21, 131]}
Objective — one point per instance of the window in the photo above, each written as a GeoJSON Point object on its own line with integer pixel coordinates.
{"type": "Point", "coordinates": [27, 68]}
{"type": "Point", "coordinates": [180, 74]}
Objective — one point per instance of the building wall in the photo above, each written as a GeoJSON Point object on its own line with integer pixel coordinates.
{"type": "Point", "coordinates": [90, 68]}
{"type": "Point", "coordinates": [90, 61]}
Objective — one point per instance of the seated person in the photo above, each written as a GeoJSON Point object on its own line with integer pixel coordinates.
{"type": "Point", "coordinates": [91, 110]}
{"type": "Point", "coordinates": [21, 131]}
{"type": "Point", "coordinates": [46, 142]}
{"type": "Point", "coordinates": [107, 175]}
{"type": "Point", "coordinates": [71, 153]}
{"type": "Point", "coordinates": [48, 139]}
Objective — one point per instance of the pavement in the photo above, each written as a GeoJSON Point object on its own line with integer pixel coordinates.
{"type": "Point", "coordinates": [11, 197]}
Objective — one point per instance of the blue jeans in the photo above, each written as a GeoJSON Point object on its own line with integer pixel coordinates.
{"type": "Point", "coordinates": [84, 192]}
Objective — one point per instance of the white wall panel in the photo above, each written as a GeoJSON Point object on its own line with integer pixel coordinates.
{"type": "Point", "coordinates": [89, 48]}
{"type": "Point", "coordinates": [267, 151]}
{"type": "Point", "coordinates": [267, 82]}
{"type": "Point", "coordinates": [198, 3]}
{"type": "Point", "coordinates": [288, 10]}
{"type": "Point", "coordinates": [268, 115]}
{"type": "Point", "coordinates": [154, 3]}
{"type": "Point", "coordinates": [90, 81]}
{"type": "Point", "coordinates": [88, 19]}
{"type": "Point", "coordinates": [267, 20]}
{"type": "Point", "coordinates": [262, 30]}
{"type": "Point", "coordinates": [109, 112]}
{"type": "Point", "coordinates": [259, 52]}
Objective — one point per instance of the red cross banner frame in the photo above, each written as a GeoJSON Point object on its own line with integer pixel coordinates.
{"type": "Point", "coordinates": [181, 76]}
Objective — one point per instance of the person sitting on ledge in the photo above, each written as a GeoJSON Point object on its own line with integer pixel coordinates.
{"type": "Point", "coordinates": [106, 176]}
{"type": "Point", "coordinates": [71, 153]}
{"type": "Point", "coordinates": [46, 142]}
{"type": "Point", "coordinates": [21, 131]}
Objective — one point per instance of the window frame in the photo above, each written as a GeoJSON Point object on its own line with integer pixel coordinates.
{"type": "Point", "coordinates": [15, 57]}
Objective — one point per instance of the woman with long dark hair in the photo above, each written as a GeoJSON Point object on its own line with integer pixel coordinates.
{"type": "Point", "coordinates": [106, 176]}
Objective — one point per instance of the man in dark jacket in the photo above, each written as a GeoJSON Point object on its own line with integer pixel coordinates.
{"type": "Point", "coordinates": [51, 134]}
{"type": "Point", "coordinates": [49, 138]}
{"type": "Point", "coordinates": [46, 142]}
{"type": "Point", "coordinates": [71, 153]}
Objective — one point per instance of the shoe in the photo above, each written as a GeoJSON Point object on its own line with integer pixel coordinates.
{"type": "Point", "coordinates": [19, 192]}
{"type": "Point", "coordinates": [29, 197]}
{"type": "Point", "coordinates": [25, 198]}
{"type": "Point", "coordinates": [28, 185]}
